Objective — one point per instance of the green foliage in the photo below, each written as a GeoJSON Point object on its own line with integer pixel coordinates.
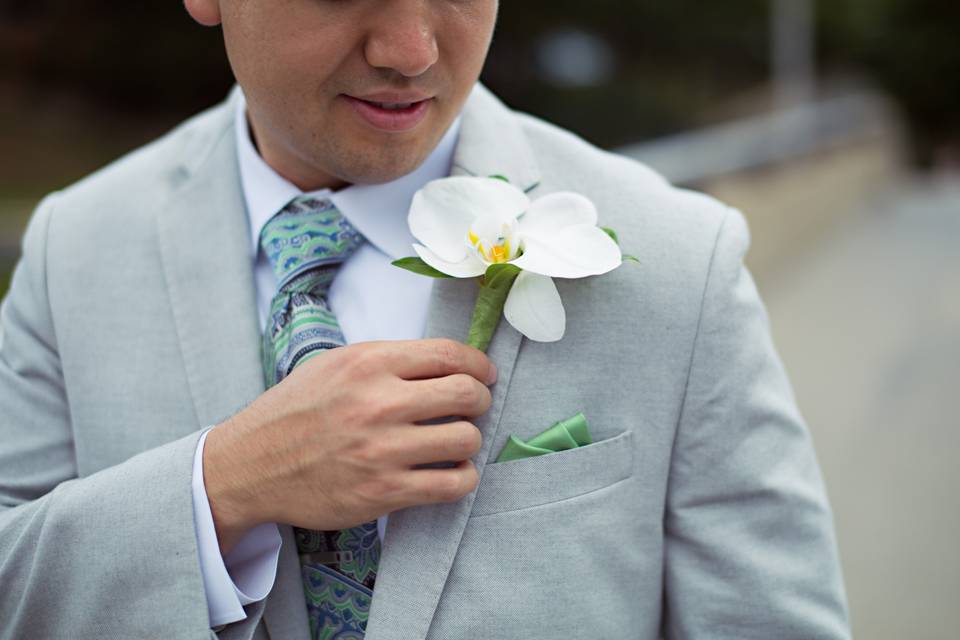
{"type": "Point", "coordinates": [613, 236]}
{"type": "Point", "coordinates": [417, 265]}
{"type": "Point", "coordinates": [499, 276]}
{"type": "Point", "coordinates": [494, 287]}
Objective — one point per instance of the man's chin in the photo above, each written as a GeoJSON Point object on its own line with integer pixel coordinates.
{"type": "Point", "coordinates": [376, 171]}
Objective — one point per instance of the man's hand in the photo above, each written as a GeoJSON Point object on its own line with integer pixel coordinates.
{"type": "Point", "coordinates": [334, 443]}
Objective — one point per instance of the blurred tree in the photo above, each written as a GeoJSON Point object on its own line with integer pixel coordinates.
{"type": "Point", "coordinates": [673, 63]}
{"type": "Point", "coordinates": [672, 59]}
{"type": "Point", "coordinates": [910, 48]}
{"type": "Point", "coordinates": [132, 55]}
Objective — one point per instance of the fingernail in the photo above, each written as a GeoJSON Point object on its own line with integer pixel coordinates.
{"type": "Point", "coordinates": [492, 374]}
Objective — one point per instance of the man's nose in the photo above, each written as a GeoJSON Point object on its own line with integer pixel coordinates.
{"type": "Point", "coordinates": [403, 38]}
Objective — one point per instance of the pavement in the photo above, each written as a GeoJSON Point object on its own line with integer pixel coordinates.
{"type": "Point", "coordinates": [867, 321]}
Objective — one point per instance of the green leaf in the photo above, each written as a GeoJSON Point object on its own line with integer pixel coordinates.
{"type": "Point", "coordinates": [500, 275]}
{"type": "Point", "coordinates": [610, 232]}
{"type": "Point", "coordinates": [494, 287]}
{"type": "Point", "coordinates": [499, 177]}
{"type": "Point", "coordinates": [417, 265]}
{"type": "Point", "coordinates": [630, 258]}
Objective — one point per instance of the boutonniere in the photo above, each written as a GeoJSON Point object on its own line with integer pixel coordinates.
{"type": "Point", "coordinates": [486, 228]}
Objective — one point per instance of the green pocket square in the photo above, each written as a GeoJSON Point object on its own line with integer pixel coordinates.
{"type": "Point", "coordinates": [566, 434]}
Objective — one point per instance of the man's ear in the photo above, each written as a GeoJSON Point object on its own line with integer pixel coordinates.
{"type": "Point", "coordinates": [206, 12]}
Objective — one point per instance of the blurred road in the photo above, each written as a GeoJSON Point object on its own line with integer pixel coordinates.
{"type": "Point", "coordinates": [868, 324]}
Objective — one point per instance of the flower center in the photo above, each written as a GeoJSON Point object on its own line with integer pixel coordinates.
{"type": "Point", "coordinates": [495, 239]}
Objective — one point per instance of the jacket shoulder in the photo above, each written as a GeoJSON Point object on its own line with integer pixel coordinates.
{"type": "Point", "coordinates": [649, 213]}
{"type": "Point", "coordinates": [146, 174]}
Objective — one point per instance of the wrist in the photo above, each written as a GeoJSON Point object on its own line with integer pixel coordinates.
{"type": "Point", "coordinates": [230, 498]}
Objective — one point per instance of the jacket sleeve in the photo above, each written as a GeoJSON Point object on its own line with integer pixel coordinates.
{"type": "Point", "coordinates": [109, 555]}
{"type": "Point", "coordinates": [750, 549]}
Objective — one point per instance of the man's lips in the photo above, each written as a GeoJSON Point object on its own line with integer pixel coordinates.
{"type": "Point", "coordinates": [379, 110]}
{"type": "Point", "coordinates": [389, 96]}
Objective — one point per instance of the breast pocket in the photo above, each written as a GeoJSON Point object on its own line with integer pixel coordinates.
{"type": "Point", "coordinates": [551, 477]}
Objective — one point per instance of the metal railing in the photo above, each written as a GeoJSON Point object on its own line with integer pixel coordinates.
{"type": "Point", "coordinates": [693, 157]}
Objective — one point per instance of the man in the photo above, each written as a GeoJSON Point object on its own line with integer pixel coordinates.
{"type": "Point", "coordinates": [135, 321]}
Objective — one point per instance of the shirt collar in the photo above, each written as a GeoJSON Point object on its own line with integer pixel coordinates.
{"type": "Point", "coordinates": [378, 211]}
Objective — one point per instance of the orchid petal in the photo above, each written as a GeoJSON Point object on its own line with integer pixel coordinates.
{"type": "Point", "coordinates": [534, 308]}
{"type": "Point", "coordinates": [442, 211]}
{"type": "Point", "coordinates": [556, 211]}
{"type": "Point", "coordinates": [469, 267]}
{"type": "Point", "coordinates": [576, 251]}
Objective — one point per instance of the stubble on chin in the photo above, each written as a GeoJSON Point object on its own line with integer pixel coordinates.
{"type": "Point", "coordinates": [363, 162]}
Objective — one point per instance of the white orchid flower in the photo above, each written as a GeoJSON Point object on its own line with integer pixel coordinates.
{"type": "Point", "coordinates": [465, 224]}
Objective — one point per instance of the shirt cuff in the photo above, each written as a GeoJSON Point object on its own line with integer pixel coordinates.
{"type": "Point", "coordinates": [247, 573]}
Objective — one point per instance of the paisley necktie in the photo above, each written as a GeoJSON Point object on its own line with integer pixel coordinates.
{"type": "Point", "coordinates": [306, 242]}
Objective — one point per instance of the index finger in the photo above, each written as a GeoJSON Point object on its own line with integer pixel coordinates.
{"type": "Point", "coordinates": [440, 357]}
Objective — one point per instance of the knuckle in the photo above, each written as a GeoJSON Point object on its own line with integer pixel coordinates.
{"type": "Point", "coordinates": [448, 486]}
{"type": "Point", "coordinates": [466, 439]}
{"type": "Point", "coordinates": [384, 407]}
{"type": "Point", "coordinates": [369, 453]}
{"type": "Point", "coordinates": [364, 362]}
{"type": "Point", "coordinates": [464, 389]}
{"type": "Point", "coordinates": [447, 353]}
{"type": "Point", "coordinates": [383, 489]}
{"type": "Point", "coordinates": [349, 411]}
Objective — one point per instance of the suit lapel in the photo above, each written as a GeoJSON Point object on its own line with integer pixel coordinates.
{"type": "Point", "coordinates": [204, 247]}
{"type": "Point", "coordinates": [205, 251]}
{"type": "Point", "coordinates": [491, 142]}
{"type": "Point", "coordinates": [421, 542]}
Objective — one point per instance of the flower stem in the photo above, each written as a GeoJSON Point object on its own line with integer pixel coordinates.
{"type": "Point", "coordinates": [494, 287]}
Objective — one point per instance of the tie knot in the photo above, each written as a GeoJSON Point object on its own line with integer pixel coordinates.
{"type": "Point", "coordinates": [307, 235]}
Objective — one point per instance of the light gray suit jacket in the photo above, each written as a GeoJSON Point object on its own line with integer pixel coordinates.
{"type": "Point", "coordinates": [698, 512]}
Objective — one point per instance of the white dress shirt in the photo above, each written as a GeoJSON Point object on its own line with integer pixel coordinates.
{"type": "Point", "coordinates": [372, 300]}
